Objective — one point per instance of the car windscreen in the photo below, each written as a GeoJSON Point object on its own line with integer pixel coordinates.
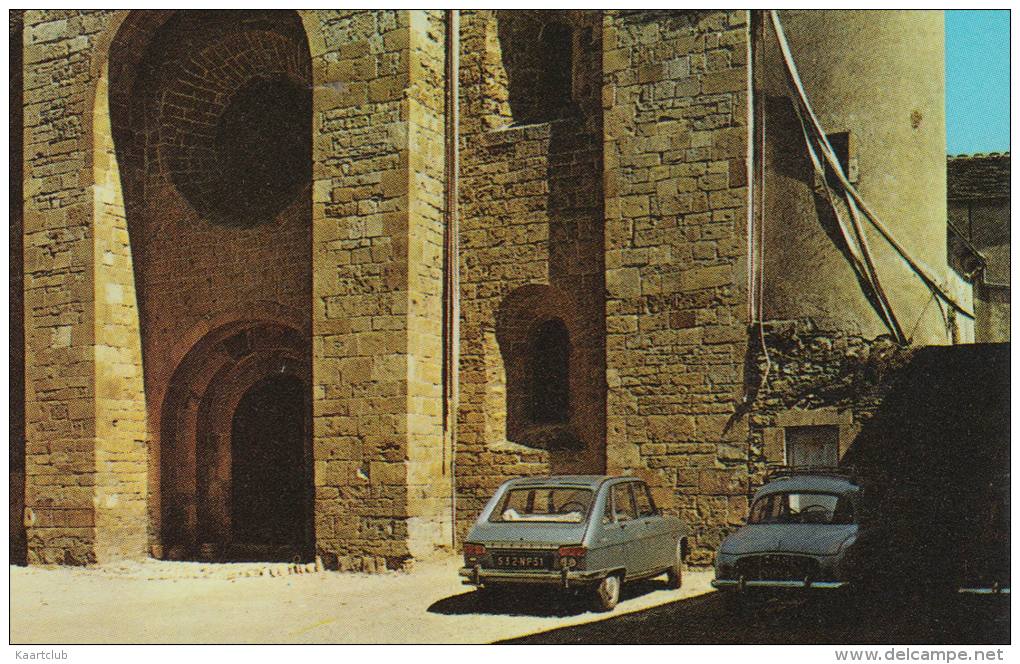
{"type": "Point", "coordinates": [802, 507]}
{"type": "Point", "coordinates": [544, 505]}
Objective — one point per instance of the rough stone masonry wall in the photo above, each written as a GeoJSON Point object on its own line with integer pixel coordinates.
{"type": "Point", "coordinates": [531, 249]}
{"type": "Point", "coordinates": [368, 223]}
{"type": "Point", "coordinates": [675, 107]}
{"type": "Point", "coordinates": [817, 378]}
{"type": "Point", "coordinates": [428, 474]}
{"type": "Point", "coordinates": [78, 476]}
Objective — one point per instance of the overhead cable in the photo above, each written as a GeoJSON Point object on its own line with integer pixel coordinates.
{"type": "Point", "coordinates": [853, 196]}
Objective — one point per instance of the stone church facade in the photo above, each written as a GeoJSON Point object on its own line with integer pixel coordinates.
{"type": "Point", "coordinates": [234, 269]}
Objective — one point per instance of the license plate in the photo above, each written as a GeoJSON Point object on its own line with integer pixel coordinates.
{"type": "Point", "coordinates": [520, 561]}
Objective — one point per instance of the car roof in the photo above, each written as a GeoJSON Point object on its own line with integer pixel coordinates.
{"type": "Point", "coordinates": [817, 483]}
{"type": "Point", "coordinates": [591, 481]}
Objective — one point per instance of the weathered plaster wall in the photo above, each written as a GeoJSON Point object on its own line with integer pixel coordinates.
{"type": "Point", "coordinates": [979, 210]}
{"type": "Point", "coordinates": [879, 76]}
{"type": "Point", "coordinates": [992, 306]}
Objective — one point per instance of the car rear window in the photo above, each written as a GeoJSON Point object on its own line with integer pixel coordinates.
{"type": "Point", "coordinates": [544, 505]}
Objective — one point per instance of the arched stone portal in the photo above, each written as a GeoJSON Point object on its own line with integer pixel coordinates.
{"type": "Point", "coordinates": [172, 228]}
{"type": "Point", "coordinates": [211, 119]}
{"type": "Point", "coordinates": [235, 468]}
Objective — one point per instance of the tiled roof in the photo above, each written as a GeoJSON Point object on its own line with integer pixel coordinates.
{"type": "Point", "coordinates": [976, 176]}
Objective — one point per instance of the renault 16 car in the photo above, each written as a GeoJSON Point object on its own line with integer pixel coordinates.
{"type": "Point", "coordinates": [588, 533]}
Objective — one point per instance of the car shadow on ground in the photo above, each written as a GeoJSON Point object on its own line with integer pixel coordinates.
{"type": "Point", "coordinates": [537, 601]}
{"type": "Point", "coordinates": [797, 619]}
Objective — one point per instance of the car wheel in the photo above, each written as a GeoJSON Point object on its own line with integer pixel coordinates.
{"type": "Point", "coordinates": [675, 574]}
{"type": "Point", "coordinates": [607, 593]}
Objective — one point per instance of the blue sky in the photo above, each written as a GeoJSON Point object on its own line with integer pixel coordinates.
{"type": "Point", "coordinates": [977, 81]}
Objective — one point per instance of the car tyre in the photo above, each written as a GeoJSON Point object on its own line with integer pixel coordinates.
{"type": "Point", "coordinates": [607, 592]}
{"type": "Point", "coordinates": [675, 574]}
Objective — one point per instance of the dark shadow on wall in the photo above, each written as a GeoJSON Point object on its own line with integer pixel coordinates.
{"type": "Point", "coordinates": [575, 206]}
{"type": "Point", "coordinates": [577, 267]}
{"type": "Point", "coordinates": [16, 295]}
{"type": "Point", "coordinates": [934, 464]}
{"type": "Point", "coordinates": [538, 55]}
{"type": "Point", "coordinates": [553, 64]}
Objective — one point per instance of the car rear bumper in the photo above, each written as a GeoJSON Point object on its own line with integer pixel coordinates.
{"type": "Point", "coordinates": [742, 584]}
{"type": "Point", "coordinates": [478, 576]}
{"type": "Point", "coordinates": [984, 590]}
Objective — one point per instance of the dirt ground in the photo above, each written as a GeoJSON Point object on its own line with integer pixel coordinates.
{"type": "Point", "coordinates": [159, 602]}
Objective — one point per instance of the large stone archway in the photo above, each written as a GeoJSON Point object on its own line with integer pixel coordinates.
{"type": "Point", "coordinates": [210, 117]}
{"type": "Point", "coordinates": [129, 252]}
{"type": "Point", "coordinates": [210, 427]}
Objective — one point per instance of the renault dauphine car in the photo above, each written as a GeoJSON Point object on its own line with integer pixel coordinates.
{"type": "Point", "coordinates": [800, 534]}
{"type": "Point", "coordinates": [577, 532]}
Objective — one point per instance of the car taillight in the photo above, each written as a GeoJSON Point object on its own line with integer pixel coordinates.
{"type": "Point", "coordinates": [571, 555]}
{"type": "Point", "coordinates": [474, 550]}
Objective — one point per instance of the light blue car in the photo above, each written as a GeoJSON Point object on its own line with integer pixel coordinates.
{"type": "Point", "coordinates": [800, 534]}
{"type": "Point", "coordinates": [588, 532]}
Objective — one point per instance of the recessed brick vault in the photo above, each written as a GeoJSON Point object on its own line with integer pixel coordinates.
{"type": "Point", "coordinates": [228, 156]}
